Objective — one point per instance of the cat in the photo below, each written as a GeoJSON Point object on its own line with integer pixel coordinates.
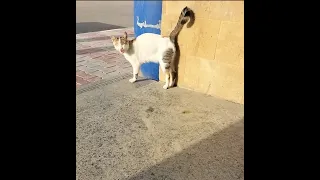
{"type": "Point", "coordinates": [149, 47]}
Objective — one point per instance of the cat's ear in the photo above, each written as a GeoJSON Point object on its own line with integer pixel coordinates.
{"type": "Point", "coordinates": [113, 38]}
{"type": "Point", "coordinates": [125, 35]}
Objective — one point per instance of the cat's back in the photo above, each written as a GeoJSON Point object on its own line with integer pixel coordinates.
{"type": "Point", "coordinates": [150, 40]}
{"type": "Point", "coordinates": [149, 36]}
{"type": "Point", "coordinates": [150, 47]}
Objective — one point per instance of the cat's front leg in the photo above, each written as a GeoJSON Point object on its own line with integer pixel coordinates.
{"type": "Point", "coordinates": [134, 79]}
{"type": "Point", "coordinates": [135, 68]}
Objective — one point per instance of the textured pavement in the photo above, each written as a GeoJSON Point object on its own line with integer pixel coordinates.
{"type": "Point", "coordinates": [97, 59]}
{"type": "Point", "coordinates": [142, 132]}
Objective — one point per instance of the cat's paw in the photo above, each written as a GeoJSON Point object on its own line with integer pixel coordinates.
{"type": "Point", "coordinates": [132, 80]}
{"type": "Point", "coordinates": [165, 86]}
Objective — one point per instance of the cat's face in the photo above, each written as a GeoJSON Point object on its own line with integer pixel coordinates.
{"type": "Point", "coordinates": [121, 44]}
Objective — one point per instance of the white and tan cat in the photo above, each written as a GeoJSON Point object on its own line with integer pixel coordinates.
{"type": "Point", "coordinates": [149, 47]}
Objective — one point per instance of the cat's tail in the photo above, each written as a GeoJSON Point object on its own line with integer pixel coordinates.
{"type": "Point", "coordinates": [186, 15]}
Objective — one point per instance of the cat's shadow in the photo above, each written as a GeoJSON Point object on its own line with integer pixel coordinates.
{"type": "Point", "coordinates": [177, 57]}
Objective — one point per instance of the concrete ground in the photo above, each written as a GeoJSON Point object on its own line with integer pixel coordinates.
{"type": "Point", "coordinates": [141, 131]}
{"type": "Point", "coordinates": [103, 15]}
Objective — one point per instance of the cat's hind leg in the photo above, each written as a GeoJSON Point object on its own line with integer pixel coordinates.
{"type": "Point", "coordinates": [165, 70]}
{"type": "Point", "coordinates": [167, 77]}
{"type": "Point", "coordinates": [167, 59]}
{"type": "Point", "coordinates": [171, 83]}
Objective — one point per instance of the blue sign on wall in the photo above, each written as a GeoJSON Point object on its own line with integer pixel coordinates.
{"type": "Point", "coordinates": [147, 19]}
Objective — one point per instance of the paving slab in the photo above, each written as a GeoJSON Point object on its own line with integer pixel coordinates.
{"type": "Point", "coordinates": [96, 56]}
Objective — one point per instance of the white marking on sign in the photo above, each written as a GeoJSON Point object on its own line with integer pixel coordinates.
{"type": "Point", "coordinates": [145, 25]}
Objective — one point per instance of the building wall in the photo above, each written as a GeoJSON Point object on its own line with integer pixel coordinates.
{"type": "Point", "coordinates": [212, 50]}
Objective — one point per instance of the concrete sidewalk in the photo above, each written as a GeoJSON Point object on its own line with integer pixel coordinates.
{"type": "Point", "coordinates": [142, 132]}
{"type": "Point", "coordinates": [97, 59]}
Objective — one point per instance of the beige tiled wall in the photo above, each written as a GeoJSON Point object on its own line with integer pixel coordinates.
{"type": "Point", "coordinates": [212, 50]}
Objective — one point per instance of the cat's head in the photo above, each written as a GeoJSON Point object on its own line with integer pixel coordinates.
{"type": "Point", "coordinates": [121, 44]}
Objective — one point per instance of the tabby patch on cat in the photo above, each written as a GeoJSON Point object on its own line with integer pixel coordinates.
{"type": "Point", "coordinates": [149, 47]}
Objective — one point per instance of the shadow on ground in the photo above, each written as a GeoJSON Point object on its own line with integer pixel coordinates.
{"type": "Point", "coordinates": [86, 27]}
{"type": "Point", "coordinates": [218, 157]}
